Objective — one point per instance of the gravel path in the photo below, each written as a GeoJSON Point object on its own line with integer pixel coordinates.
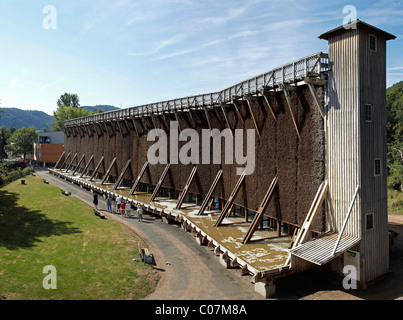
{"type": "Point", "coordinates": [188, 271]}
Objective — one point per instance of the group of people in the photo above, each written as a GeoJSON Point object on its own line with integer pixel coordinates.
{"type": "Point", "coordinates": [122, 207]}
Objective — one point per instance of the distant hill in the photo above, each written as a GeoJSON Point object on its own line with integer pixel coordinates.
{"type": "Point", "coordinates": [105, 108]}
{"type": "Point", "coordinates": [18, 118]}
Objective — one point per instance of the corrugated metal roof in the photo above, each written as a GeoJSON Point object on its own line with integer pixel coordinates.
{"type": "Point", "coordinates": [320, 249]}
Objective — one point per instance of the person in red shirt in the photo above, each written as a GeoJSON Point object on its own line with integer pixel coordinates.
{"type": "Point", "coordinates": [123, 208]}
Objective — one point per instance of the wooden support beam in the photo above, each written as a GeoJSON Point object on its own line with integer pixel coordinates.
{"type": "Point", "coordinates": [230, 201]}
{"type": "Point", "coordinates": [316, 99]}
{"type": "Point", "coordinates": [87, 166]}
{"type": "Point", "coordinates": [248, 100]}
{"type": "Point", "coordinates": [68, 167]}
{"type": "Point", "coordinates": [158, 186]}
{"type": "Point", "coordinates": [58, 161]}
{"type": "Point", "coordinates": [78, 164]}
{"type": "Point", "coordinates": [136, 183]}
{"type": "Point", "coordinates": [224, 111]}
{"type": "Point", "coordinates": [108, 171]}
{"type": "Point", "coordinates": [237, 111]}
{"type": "Point", "coordinates": [261, 210]}
{"type": "Point", "coordinates": [186, 188]}
{"type": "Point", "coordinates": [65, 160]}
{"type": "Point", "coordinates": [118, 182]}
{"type": "Point", "coordinates": [303, 233]}
{"type": "Point", "coordinates": [289, 102]}
{"type": "Point", "coordinates": [210, 193]}
{"type": "Point", "coordinates": [269, 105]}
{"type": "Point", "coordinates": [208, 120]}
{"type": "Point", "coordinates": [120, 128]}
{"type": "Point", "coordinates": [97, 168]}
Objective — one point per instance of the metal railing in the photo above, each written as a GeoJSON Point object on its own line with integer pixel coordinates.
{"type": "Point", "coordinates": [313, 65]}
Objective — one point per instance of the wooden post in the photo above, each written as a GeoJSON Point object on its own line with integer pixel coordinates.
{"type": "Point", "coordinates": [262, 208]}
{"type": "Point", "coordinates": [228, 205]}
{"type": "Point", "coordinates": [78, 164]}
{"type": "Point", "coordinates": [97, 168]}
{"type": "Point", "coordinates": [288, 98]}
{"type": "Point", "coordinates": [108, 171]}
{"type": "Point", "coordinates": [87, 166]}
{"type": "Point", "coordinates": [248, 100]}
{"type": "Point", "coordinates": [186, 188]}
{"type": "Point", "coordinates": [58, 161]}
{"type": "Point", "coordinates": [122, 174]}
{"type": "Point", "coordinates": [136, 183]}
{"type": "Point", "coordinates": [158, 186]}
{"type": "Point", "coordinates": [68, 167]}
{"type": "Point", "coordinates": [65, 160]}
{"type": "Point", "coordinates": [210, 192]}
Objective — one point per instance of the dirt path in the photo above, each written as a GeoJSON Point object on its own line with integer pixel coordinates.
{"type": "Point", "coordinates": [192, 272]}
{"type": "Point", "coordinates": [187, 270]}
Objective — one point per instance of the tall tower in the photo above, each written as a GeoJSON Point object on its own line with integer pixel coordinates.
{"type": "Point", "coordinates": [356, 143]}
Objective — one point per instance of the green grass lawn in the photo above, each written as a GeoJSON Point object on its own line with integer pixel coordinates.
{"type": "Point", "coordinates": [93, 257]}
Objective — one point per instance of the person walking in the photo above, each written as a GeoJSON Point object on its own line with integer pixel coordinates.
{"type": "Point", "coordinates": [140, 213]}
{"type": "Point", "coordinates": [128, 209]}
{"type": "Point", "coordinates": [109, 203]}
{"type": "Point", "coordinates": [95, 201]}
{"type": "Point", "coordinates": [118, 203]}
{"type": "Point", "coordinates": [123, 208]}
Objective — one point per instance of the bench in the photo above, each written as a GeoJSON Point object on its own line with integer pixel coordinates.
{"type": "Point", "coordinates": [146, 256]}
{"type": "Point", "coordinates": [66, 193]}
{"type": "Point", "coordinates": [99, 214]}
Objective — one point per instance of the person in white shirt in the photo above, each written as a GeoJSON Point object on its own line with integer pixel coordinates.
{"type": "Point", "coordinates": [128, 209]}
{"type": "Point", "coordinates": [118, 203]}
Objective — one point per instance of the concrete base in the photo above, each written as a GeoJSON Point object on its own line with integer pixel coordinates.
{"type": "Point", "coordinates": [224, 261]}
{"type": "Point", "coordinates": [267, 290]}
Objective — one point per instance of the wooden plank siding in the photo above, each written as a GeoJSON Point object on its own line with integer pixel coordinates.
{"type": "Point", "coordinates": [372, 71]}
{"type": "Point", "coordinates": [358, 77]}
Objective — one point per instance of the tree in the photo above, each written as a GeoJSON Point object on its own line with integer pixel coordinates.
{"type": "Point", "coordinates": [68, 100]}
{"type": "Point", "coordinates": [394, 104]}
{"type": "Point", "coordinates": [4, 136]}
{"type": "Point", "coordinates": [68, 107]}
{"type": "Point", "coordinates": [21, 141]}
{"type": "Point", "coordinates": [66, 113]}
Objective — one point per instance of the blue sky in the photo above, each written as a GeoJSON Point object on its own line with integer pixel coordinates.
{"type": "Point", "coordinates": [131, 52]}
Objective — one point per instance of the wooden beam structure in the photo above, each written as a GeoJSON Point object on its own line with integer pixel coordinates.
{"type": "Point", "coordinates": [136, 183]}
{"type": "Point", "coordinates": [186, 188]}
{"type": "Point", "coordinates": [269, 105]}
{"type": "Point", "coordinates": [248, 100]}
{"type": "Point", "coordinates": [303, 233]}
{"type": "Point", "coordinates": [87, 166]}
{"type": "Point", "coordinates": [261, 210]}
{"type": "Point", "coordinates": [161, 180]}
{"type": "Point", "coordinates": [58, 161]}
{"type": "Point", "coordinates": [230, 201]}
{"type": "Point", "coordinates": [71, 162]}
{"type": "Point", "coordinates": [97, 168]}
{"type": "Point", "coordinates": [210, 193]}
{"type": "Point", "coordinates": [289, 103]}
{"type": "Point", "coordinates": [118, 182]}
{"type": "Point", "coordinates": [78, 164]}
{"type": "Point", "coordinates": [65, 160]}
{"type": "Point", "coordinates": [108, 171]}
{"type": "Point", "coordinates": [315, 98]}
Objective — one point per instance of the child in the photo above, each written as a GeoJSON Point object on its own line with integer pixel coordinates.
{"type": "Point", "coordinates": [122, 208]}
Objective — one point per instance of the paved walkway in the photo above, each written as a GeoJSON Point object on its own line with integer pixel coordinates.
{"type": "Point", "coordinates": [188, 271]}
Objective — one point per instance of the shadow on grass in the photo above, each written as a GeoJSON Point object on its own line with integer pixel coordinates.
{"type": "Point", "coordinates": [21, 227]}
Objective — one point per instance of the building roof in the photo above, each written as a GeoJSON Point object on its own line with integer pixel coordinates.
{"type": "Point", "coordinates": [359, 23]}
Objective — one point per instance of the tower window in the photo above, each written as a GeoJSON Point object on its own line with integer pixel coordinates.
{"type": "Point", "coordinates": [372, 42]}
{"type": "Point", "coordinates": [368, 113]}
{"type": "Point", "coordinates": [369, 221]}
{"type": "Point", "coordinates": [377, 167]}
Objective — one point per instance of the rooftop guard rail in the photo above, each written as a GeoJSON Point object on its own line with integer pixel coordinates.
{"type": "Point", "coordinates": [313, 65]}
